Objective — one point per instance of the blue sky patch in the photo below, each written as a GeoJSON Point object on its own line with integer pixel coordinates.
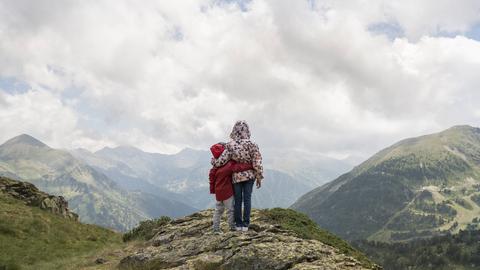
{"type": "Point", "coordinates": [242, 4]}
{"type": "Point", "coordinates": [391, 30]}
{"type": "Point", "coordinates": [176, 33]}
{"type": "Point", "coordinates": [13, 86]}
{"type": "Point", "coordinates": [474, 32]}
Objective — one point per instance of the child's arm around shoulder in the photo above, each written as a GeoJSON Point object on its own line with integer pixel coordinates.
{"type": "Point", "coordinates": [233, 167]}
{"type": "Point", "coordinates": [222, 159]}
{"type": "Point", "coordinates": [240, 167]}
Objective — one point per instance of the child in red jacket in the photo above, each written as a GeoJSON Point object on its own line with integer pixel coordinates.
{"type": "Point", "coordinates": [221, 185]}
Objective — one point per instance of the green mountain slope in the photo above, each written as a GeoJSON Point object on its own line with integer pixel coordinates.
{"type": "Point", "coordinates": [460, 251]}
{"type": "Point", "coordinates": [418, 187]}
{"type": "Point", "coordinates": [35, 238]}
{"type": "Point", "coordinates": [96, 198]}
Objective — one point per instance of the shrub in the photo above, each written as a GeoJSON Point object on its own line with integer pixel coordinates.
{"type": "Point", "coordinates": [476, 198]}
{"type": "Point", "coordinates": [464, 203]}
{"type": "Point", "coordinates": [146, 230]}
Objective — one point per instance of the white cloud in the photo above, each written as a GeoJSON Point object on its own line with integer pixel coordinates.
{"type": "Point", "coordinates": [38, 112]}
{"type": "Point", "coordinates": [305, 74]}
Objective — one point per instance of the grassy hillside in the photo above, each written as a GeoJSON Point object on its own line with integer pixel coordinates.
{"type": "Point", "coordinates": [418, 187]}
{"type": "Point", "coordinates": [31, 238]}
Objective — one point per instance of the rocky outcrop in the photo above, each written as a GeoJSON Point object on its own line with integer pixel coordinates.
{"type": "Point", "coordinates": [188, 243]}
{"type": "Point", "coordinates": [30, 194]}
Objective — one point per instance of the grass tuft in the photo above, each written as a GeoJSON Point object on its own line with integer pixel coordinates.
{"type": "Point", "coordinates": [146, 230]}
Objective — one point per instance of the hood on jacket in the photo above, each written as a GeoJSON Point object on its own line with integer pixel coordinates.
{"type": "Point", "coordinates": [240, 131]}
{"type": "Point", "coordinates": [217, 149]}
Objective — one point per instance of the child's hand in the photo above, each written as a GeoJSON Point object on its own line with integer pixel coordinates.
{"type": "Point", "coordinates": [259, 183]}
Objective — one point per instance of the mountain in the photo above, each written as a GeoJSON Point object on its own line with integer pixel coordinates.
{"type": "Point", "coordinates": [184, 176]}
{"type": "Point", "coordinates": [38, 231]}
{"type": "Point", "coordinates": [312, 169]}
{"type": "Point", "coordinates": [94, 196]}
{"type": "Point", "coordinates": [126, 177]}
{"type": "Point", "coordinates": [279, 239]}
{"type": "Point", "coordinates": [418, 187]}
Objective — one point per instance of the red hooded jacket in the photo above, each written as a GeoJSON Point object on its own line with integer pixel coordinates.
{"type": "Point", "coordinates": [221, 177]}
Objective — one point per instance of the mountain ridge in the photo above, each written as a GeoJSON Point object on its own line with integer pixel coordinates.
{"type": "Point", "coordinates": [186, 175]}
{"type": "Point", "coordinates": [93, 195]}
{"type": "Point", "coordinates": [25, 139]}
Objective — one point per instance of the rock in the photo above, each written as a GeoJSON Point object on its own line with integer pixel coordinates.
{"type": "Point", "coordinates": [92, 238]}
{"type": "Point", "coordinates": [136, 260]}
{"type": "Point", "coordinates": [162, 239]}
{"type": "Point", "coordinates": [188, 243]}
{"type": "Point", "coordinates": [256, 228]}
{"type": "Point", "coordinates": [206, 262]}
{"type": "Point", "coordinates": [30, 194]}
{"type": "Point", "coordinates": [100, 261]}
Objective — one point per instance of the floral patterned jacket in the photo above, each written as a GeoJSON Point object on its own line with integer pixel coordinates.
{"type": "Point", "coordinates": [242, 149]}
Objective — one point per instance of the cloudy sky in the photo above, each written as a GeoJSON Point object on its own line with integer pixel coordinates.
{"type": "Point", "coordinates": [334, 77]}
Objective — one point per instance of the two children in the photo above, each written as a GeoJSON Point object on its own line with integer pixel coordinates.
{"type": "Point", "coordinates": [221, 185]}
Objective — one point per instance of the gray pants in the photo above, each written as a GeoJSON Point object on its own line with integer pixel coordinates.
{"type": "Point", "coordinates": [217, 216]}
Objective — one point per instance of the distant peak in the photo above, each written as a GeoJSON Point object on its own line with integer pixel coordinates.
{"type": "Point", "coordinates": [82, 150]}
{"type": "Point", "coordinates": [127, 147]}
{"type": "Point", "coordinates": [25, 139]}
{"type": "Point", "coordinates": [122, 149]}
{"type": "Point", "coordinates": [462, 127]}
{"type": "Point", "coordinates": [187, 150]}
